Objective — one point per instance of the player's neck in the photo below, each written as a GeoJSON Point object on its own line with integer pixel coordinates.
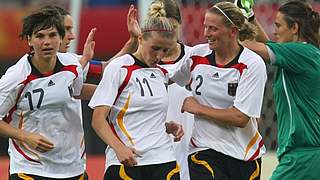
{"type": "Point", "coordinates": [44, 66]}
{"type": "Point", "coordinates": [226, 55]}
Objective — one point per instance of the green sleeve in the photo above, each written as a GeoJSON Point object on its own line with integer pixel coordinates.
{"type": "Point", "coordinates": [296, 57]}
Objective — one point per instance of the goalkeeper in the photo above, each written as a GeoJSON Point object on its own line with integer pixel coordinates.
{"type": "Point", "coordinates": [296, 86]}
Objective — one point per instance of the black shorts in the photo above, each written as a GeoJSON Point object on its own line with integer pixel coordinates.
{"type": "Point", "coordinates": [210, 164]}
{"type": "Point", "coordinates": [22, 176]}
{"type": "Point", "coordinates": [163, 171]}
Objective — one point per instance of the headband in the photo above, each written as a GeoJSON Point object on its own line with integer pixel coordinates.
{"type": "Point", "coordinates": [224, 15]}
{"type": "Point", "coordinates": [157, 30]}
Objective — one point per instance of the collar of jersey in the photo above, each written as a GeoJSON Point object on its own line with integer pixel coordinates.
{"type": "Point", "coordinates": [36, 72]}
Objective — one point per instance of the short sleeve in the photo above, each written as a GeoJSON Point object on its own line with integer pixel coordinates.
{"type": "Point", "coordinates": [250, 90]}
{"type": "Point", "coordinates": [78, 82]}
{"type": "Point", "coordinates": [10, 87]}
{"type": "Point", "coordinates": [107, 89]}
{"type": "Point", "coordinates": [180, 72]}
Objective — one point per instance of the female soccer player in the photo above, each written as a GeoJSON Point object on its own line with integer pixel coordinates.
{"type": "Point", "coordinates": [35, 95]}
{"type": "Point", "coordinates": [296, 88]}
{"type": "Point", "coordinates": [132, 96]}
{"type": "Point", "coordinates": [227, 82]}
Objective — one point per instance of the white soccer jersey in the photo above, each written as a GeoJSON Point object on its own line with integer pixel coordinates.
{"type": "Point", "coordinates": [177, 94]}
{"type": "Point", "coordinates": [240, 84]}
{"type": "Point", "coordinates": [138, 99]}
{"type": "Point", "coordinates": [41, 104]}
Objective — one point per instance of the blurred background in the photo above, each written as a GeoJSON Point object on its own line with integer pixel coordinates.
{"type": "Point", "coordinates": [109, 16]}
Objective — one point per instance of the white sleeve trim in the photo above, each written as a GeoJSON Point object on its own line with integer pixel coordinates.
{"type": "Point", "coordinates": [272, 56]}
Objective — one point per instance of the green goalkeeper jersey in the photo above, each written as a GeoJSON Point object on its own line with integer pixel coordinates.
{"type": "Point", "coordinates": [296, 91]}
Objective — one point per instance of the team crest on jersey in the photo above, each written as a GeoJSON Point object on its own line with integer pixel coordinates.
{"type": "Point", "coordinates": [232, 87]}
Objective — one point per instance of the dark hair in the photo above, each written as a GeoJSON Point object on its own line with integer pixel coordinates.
{"type": "Point", "coordinates": [61, 10]}
{"type": "Point", "coordinates": [300, 12]}
{"type": "Point", "coordinates": [233, 17]}
{"type": "Point", "coordinates": [170, 7]}
{"type": "Point", "coordinates": [42, 19]}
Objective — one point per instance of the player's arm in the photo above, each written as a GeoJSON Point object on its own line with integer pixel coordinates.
{"type": "Point", "coordinates": [134, 31]}
{"type": "Point", "coordinates": [34, 140]}
{"type": "Point", "coordinates": [86, 91]}
{"type": "Point", "coordinates": [175, 129]}
{"type": "Point", "coordinates": [259, 48]}
{"type": "Point", "coordinates": [231, 116]}
{"type": "Point", "coordinates": [88, 49]}
{"type": "Point", "coordinates": [96, 68]}
{"type": "Point", "coordinates": [258, 45]}
{"type": "Point", "coordinates": [9, 92]}
{"type": "Point", "coordinates": [125, 154]}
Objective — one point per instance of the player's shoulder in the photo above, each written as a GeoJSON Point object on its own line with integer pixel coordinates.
{"type": "Point", "coordinates": [68, 58]}
{"type": "Point", "coordinates": [124, 60]}
{"type": "Point", "coordinates": [11, 78]}
{"type": "Point", "coordinates": [251, 58]}
{"type": "Point", "coordinates": [117, 64]}
{"type": "Point", "coordinates": [201, 50]}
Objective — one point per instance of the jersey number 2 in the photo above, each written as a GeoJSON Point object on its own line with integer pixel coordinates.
{"type": "Point", "coordinates": [144, 81]}
{"type": "Point", "coordinates": [29, 96]}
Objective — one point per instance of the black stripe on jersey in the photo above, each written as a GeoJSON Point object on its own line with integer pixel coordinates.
{"type": "Point", "coordinates": [212, 59]}
{"type": "Point", "coordinates": [182, 53]}
{"type": "Point", "coordinates": [57, 68]}
{"type": "Point", "coordinates": [138, 62]}
{"type": "Point", "coordinates": [37, 73]}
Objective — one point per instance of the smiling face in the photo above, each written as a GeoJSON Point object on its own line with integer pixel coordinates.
{"type": "Point", "coordinates": [216, 32]}
{"type": "Point", "coordinates": [154, 48]}
{"type": "Point", "coordinates": [69, 36]}
{"type": "Point", "coordinates": [45, 43]}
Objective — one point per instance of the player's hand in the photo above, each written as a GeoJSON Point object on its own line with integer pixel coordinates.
{"type": "Point", "coordinates": [88, 49]}
{"type": "Point", "coordinates": [191, 105]}
{"type": "Point", "coordinates": [246, 7]}
{"type": "Point", "coordinates": [127, 156]}
{"type": "Point", "coordinates": [37, 142]}
{"type": "Point", "coordinates": [175, 129]}
{"type": "Point", "coordinates": [132, 22]}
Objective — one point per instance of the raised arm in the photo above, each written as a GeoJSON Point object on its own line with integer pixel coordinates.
{"type": "Point", "coordinates": [258, 45]}
{"type": "Point", "coordinates": [134, 31]}
{"type": "Point", "coordinates": [88, 49]}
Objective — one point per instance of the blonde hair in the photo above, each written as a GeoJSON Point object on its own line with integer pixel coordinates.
{"type": "Point", "coordinates": [165, 8]}
{"type": "Point", "coordinates": [160, 25]}
{"type": "Point", "coordinates": [156, 9]}
{"type": "Point", "coordinates": [234, 17]}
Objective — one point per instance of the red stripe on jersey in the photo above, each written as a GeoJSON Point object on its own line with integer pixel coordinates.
{"type": "Point", "coordinates": [256, 154]}
{"type": "Point", "coordinates": [168, 62]}
{"type": "Point", "coordinates": [95, 70]}
{"type": "Point", "coordinates": [130, 69]}
{"type": "Point", "coordinates": [71, 68]}
{"type": "Point", "coordinates": [199, 60]}
{"type": "Point", "coordinates": [239, 67]}
{"type": "Point", "coordinates": [163, 70]}
{"type": "Point", "coordinates": [114, 131]}
{"type": "Point", "coordinates": [192, 142]}
{"type": "Point", "coordinates": [22, 153]}
{"type": "Point", "coordinates": [29, 78]}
